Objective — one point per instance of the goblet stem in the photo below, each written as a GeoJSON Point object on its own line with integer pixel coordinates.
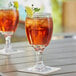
{"type": "Point", "coordinates": [8, 43]}
{"type": "Point", "coordinates": [39, 61]}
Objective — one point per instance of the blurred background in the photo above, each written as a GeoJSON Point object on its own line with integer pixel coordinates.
{"type": "Point", "coordinates": [63, 14]}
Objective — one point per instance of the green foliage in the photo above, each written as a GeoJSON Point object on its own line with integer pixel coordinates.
{"type": "Point", "coordinates": [57, 15]}
{"type": "Point", "coordinates": [36, 9]}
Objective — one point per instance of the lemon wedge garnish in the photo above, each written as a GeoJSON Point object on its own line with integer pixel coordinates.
{"type": "Point", "coordinates": [29, 11]}
{"type": "Point", "coordinates": [16, 5]}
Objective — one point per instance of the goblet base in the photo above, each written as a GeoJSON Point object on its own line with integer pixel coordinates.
{"type": "Point", "coordinates": [9, 52]}
{"type": "Point", "coordinates": [44, 71]}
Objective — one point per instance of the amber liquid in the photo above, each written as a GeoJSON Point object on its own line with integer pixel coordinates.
{"type": "Point", "coordinates": [39, 30]}
{"type": "Point", "coordinates": [8, 20]}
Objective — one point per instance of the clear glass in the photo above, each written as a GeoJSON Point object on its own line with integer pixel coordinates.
{"type": "Point", "coordinates": [39, 32]}
{"type": "Point", "coordinates": [9, 18]}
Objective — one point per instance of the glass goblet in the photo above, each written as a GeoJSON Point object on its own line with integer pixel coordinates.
{"type": "Point", "coordinates": [39, 31]}
{"type": "Point", "coordinates": [9, 18]}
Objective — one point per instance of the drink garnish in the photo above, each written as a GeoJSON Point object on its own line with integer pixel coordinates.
{"type": "Point", "coordinates": [36, 9]}
{"type": "Point", "coordinates": [30, 11]}
{"type": "Point", "coordinates": [14, 4]}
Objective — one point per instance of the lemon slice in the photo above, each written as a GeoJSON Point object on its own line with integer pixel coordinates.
{"type": "Point", "coordinates": [29, 11]}
{"type": "Point", "coordinates": [16, 5]}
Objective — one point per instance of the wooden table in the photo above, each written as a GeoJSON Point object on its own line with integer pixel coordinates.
{"type": "Point", "coordinates": [59, 53]}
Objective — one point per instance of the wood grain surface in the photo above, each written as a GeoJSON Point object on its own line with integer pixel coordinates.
{"type": "Point", "coordinates": [59, 53]}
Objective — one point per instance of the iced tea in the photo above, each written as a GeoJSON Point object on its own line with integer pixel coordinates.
{"type": "Point", "coordinates": [39, 30]}
{"type": "Point", "coordinates": [8, 20]}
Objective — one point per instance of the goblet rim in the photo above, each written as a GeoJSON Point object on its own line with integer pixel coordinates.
{"type": "Point", "coordinates": [40, 15]}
